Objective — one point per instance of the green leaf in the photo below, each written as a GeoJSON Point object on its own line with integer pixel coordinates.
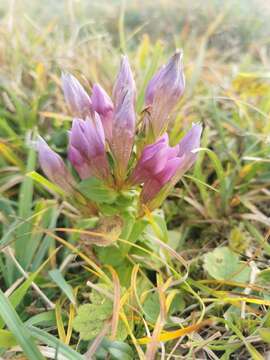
{"type": "Point", "coordinates": [174, 238]}
{"type": "Point", "coordinates": [224, 264]}
{"type": "Point", "coordinates": [137, 230]}
{"type": "Point", "coordinates": [91, 318]}
{"type": "Point", "coordinates": [117, 350]}
{"type": "Point", "coordinates": [18, 294]}
{"type": "Point", "coordinates": [122, 347]}
{"type": "Point", "coordinates": [264, 277]}
{"type": "Point", "coordinates": [46, 183]}
{"type": "Point", "coordinates": [52, 341]}
{"type": "Point", "coordinates": [58, 278]}
{"type": "Point", "coordinates": [25, 211]}
{"type": "Point", "coordinates": [16, 297]}
{"type": "Point", "coordinates": [265, 334]}
{"type": "Point", "coordinates": [7, 339]}
{"type": "Point", "coordinates": [255, 355]}
{"type": "Point", "coordinates": [177, 305]}
{"type": "Point", "coordinates": [238, 240]}
{"type": "Point", "coordinates": [118, 354]}
{"type": "Point", "coordinates": [18, 329]}
{"type": "Point", "coordinates": [151, 307]}
{"type": "Point", "coordinates": [124, 271]}
{"type": "Point", "coordinates": [86, 224]}
{"type": "Point", "coordinates": [97, 298]}
{"type": "Point", "coordinates": [95, 190]}
{"type": "Point", "coordinates": [46, 319]}
{"type": "Point", "coordinates": [110, 255]}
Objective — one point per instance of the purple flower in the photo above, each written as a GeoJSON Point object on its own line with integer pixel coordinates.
{"type": "Point", "coordinates": [76, 97]}
{"type": "Point", "coordinates": [154, 184]}
{"type": "Point", "coordinates": [102, 104]}
{"type": "Point", "coordinates": [187, 145]}
{"type": "Point", "coordinates": [124, 119]}
{"type": "Point", "coordinates": [86, 149]}
{"type": "Point", "coordinates": [161, 165]}
{"type": "Point", "coordinates": [153, 160]}
{"type": "Point", "coordinates": [54, 167]}
{"type": "Point", "coordinates": [163, 92]}
{"type": "Point", "coordinates": [124, 82]}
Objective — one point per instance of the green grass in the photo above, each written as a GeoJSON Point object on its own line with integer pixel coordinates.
{"type": "Point", "coordinates": [199, 280]}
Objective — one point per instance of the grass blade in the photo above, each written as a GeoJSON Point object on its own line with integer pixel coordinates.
{"type": "Point", "coordinates": [58, 278]}
{"type": "Point", "coordinates": [18, 329]}
{"type": "Point", "coordinates": [50, 340]}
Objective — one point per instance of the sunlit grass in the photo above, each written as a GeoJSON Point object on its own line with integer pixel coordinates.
{"type": "Point", "coordinates": [169, 302]}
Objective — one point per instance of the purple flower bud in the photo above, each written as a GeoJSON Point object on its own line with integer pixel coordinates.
{"type": "Point", "coordinates": [78, 161]}
{"type": "Point", "coordinates": [155, 183]}
{"type": "Point", "coordinates": [87, 148]}
{"type": "Point", "coordinates": [162, 166]}
{"type": "Point", "coordinates": [78, 101]}
{"type": "Point", "coordinates": [189, 143]}
{"type": "Point", "coordinates": [123, 134]}
{"type": "Point", "coordinates": [103, 105]}
{"type": "Point", "coordinates": [164, 91]}
{"type": "Point", "coordinates": [54, 167]}
{"type": "Point", "coordinates": [153, 160]}
{"type": "Point", "coordinates": [124, 82]}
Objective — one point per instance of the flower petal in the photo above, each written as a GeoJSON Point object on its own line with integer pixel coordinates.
{"type": "Point", "coordinates": [76, 97]}
{"type": "Point", "coordinates": [54, 167]}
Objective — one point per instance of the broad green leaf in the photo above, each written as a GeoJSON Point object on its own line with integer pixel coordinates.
{"type": "Point", "coordinates": [91, 318]}
{"type": "Point", "coordinates": [95, 190]}
{"type": "Point", "coordinates": [110, 255]}
{"type": "Point", "coordinates": [124, 271]}
{"type": "Point", "coordinates": [117, 350]}
{"type": "Point", "coordinates": [224, 264]}
{"type": "Point", "coordinates": [151, 307]}
{"type": "Point", "coordinates": [118, 354]}
{"type": "Point", "coordinates": [121, 346]}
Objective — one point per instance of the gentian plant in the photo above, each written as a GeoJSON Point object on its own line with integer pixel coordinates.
{"type": "Point", "coordinates": [121, 168]}
{"type": "Point", "coordinates": [120, 171]}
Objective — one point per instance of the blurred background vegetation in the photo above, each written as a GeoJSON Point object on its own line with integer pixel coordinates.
{"type": "Point", "coordinates": [226, 57]}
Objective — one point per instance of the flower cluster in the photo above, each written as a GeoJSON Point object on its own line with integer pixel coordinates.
{"type": "Point", "coordinates": [103, 136]}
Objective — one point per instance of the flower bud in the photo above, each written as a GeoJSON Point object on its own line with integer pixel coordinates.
{"type": "Point", "coordinates": [87, 148]}
{"type": "Point", "coordinates": [189, 143]}
{"type": "Point", "coordinates": [124, 82]}
{"type": "Point", "coordinates": [102, 104]}
{"type": "Point", "coordinates": [155, 183]}
{"type": "Point", "coordinates": [153, 160]}
{"type": "Point", "coordinates": [78, 101]}
{"type": "Point", "coordinates": [123, 134]}
{"type": "Point", "coordinates": [82, 167]}
{"type": "Point", "coordinates": [163, 92]}
{"type": "Point", "coordinates": [159, 186]}
{"type": "Point", "coordinates": [54, 167]}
